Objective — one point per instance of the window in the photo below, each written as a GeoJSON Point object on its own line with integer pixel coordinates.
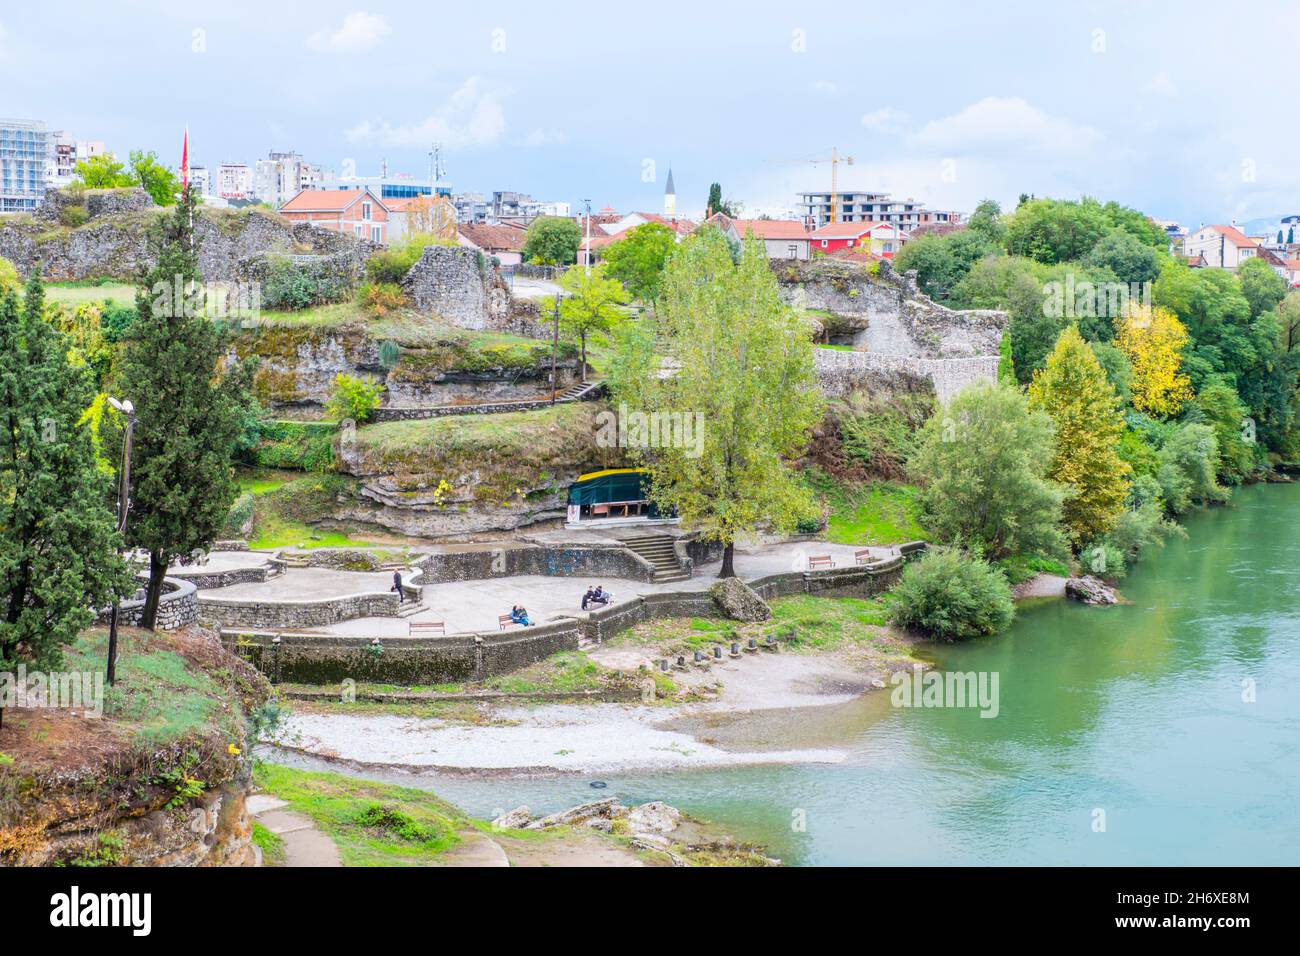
{"type": "Point", "coordinates": [365, 210]}
{"type": "Point", "coordinates": [823, 243]}
{"type": "Point", "coordinates": [376, 234]}
{"type": "Point", "coordinates": [357, 228]}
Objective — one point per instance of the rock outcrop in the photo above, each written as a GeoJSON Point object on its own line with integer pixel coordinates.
{"type": "Point", "coordinates": [739, 601]}
{"type": "Point", "coordinates": [1090, 590]}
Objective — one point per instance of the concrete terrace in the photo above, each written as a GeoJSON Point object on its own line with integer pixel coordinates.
{"type": "Point", "coordinates": [474, 605]}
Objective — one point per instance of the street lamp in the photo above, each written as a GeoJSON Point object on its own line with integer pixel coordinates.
{"type": "Point", "coordinates": [123, 508]}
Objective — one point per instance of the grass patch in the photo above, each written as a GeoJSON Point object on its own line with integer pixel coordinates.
{"type": "Point", "coordinates": [374, 824]}
{"type": "Point", "coordinates": [879, 513]}
{"type": "Point", "coordinates": [803, 622]}
{"type": "Point", "coordinates": [565, 672]}
{"type": "Point", "coordinates": [271, 844]}
{"type": "Point", "coordinates": [1021, 567]}
{"type": "Point", "coordinates": [79, 293]}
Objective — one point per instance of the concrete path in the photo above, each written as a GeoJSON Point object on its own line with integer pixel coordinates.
{"type": "Point", "coordinates": [304, 845]}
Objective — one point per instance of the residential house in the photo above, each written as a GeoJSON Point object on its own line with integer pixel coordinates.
{"type": "Point", "coordinates": [783, 238]}
{"type": "Point", "coordinates": [506, 243]}
{"type": "Point", "coordinates": [1222, 247]}
{"type": "Point", "coordinates": [877, 238]}
{"type": "Point", "coordinates": [1293, 273]}
{"type": "Point", "coordinates": [358, 211]}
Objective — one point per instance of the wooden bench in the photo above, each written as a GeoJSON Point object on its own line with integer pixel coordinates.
{"type": "Point", "coordinates": [820, 561]}
{"type": "Point", "coordinates": [428, 629]}
{"type": "Point", "coordinates": [862, 557]}
{"type": "Point", "coordinates": [504, 621]}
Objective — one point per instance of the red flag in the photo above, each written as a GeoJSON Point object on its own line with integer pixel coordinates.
{"type": "Point", "coordinates": [185, 159]}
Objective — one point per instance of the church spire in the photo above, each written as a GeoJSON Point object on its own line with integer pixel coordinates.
{"type": "Point", "coordinates": [670, 196]}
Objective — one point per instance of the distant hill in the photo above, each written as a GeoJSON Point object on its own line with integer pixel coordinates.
{"type": "Point", "coordinates": [1265, 225]}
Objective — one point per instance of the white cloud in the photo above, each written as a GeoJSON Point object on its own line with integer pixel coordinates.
{"type": "Point", "coordinates": [885, 120]}
{"type": "Point", "coordinates": [544, 137]}
{"type": "Point", "coordinates": [1162, 84]}
{"type": "Point", "coordinates": [471, 116]}
{"type": "Point", "coordinates": [359, 31]}
{"type": "Point", "coordinates": [1005, 125]}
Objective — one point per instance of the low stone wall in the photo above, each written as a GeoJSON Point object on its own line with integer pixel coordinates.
{"type": "Point", "coordinates": [177, 607]}
{"type": "Point", "coordinates": [323, 659]}
{"type": "Point", "coordinates": [226, 612]}
{"type": "Point", "coordinates": [390, 414]}
{"type": "Point", "coordinates": [589, 561]}
{"type": "Point", "coordinates": [206, 580]}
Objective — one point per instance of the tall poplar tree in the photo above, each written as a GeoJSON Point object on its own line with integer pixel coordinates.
{"type": "Point", "coordinates": [743, 369]}
{"type": "Point", "coordinates": [58, 545]}
{"type": "Point", "coordinates": [1076, 394]}
{"type": "Point", "coordinates": [187, 412]}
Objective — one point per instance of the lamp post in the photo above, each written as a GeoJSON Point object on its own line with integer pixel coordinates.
{"type": "Point", "coordinates": [123, 508]}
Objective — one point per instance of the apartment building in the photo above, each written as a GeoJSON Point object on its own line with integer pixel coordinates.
{"type": "Point", "coordinates": [855, 206]}
{"type": "Point", "coordinates": [24, 155]}
{"type": "Point", "coordinates": [64, 154]}
{"type": "Point", "coordinates": [235, 181]}
{"type": "Point", "coordinates": [281, 176]}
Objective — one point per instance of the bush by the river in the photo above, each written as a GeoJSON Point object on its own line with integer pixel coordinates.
{"type": "Point", "coordinates": [953, 596]}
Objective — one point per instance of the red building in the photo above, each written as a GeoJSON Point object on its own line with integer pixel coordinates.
{"type": "Point", "coordinates": [358, 211]}
{"type": "Point", "coordinates": [877, 238]}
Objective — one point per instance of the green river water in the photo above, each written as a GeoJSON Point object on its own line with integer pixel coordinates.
{"type": "Point", "coordinates": [1135, 711]}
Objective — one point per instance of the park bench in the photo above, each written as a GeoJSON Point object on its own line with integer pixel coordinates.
{"type": "Point", "coordinates": [862, 557]}
{"type": "Point", "coordinates": [504, 621]}
{"type": "Point", "coordinates": [820, 561]}
{"type": "Point", "coordinates": [428, 629]}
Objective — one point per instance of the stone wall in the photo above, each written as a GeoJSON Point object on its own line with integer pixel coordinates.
{"type": "Point", "coordinates": [227, 612]}
{"type": "Point", "coordinates": [460, 286]}
{"type": "Point", "coordinates": [552, 561]}
{"type": "Point", "coordinates": [115, 240]}
{"type": "Point", "coordinates": [177, 607]}
{"type": "Point", "coordinates": [898, 328]}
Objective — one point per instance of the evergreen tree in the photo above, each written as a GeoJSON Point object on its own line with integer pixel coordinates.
{"type": "Point", "coordinates": [58, 544]}
{"type": "Point", "coordinates": [744, 372]}
{"type": "Point", "coordinates": [714, 204]}
{"type": "Point", "coordinates": [187, 415]}
{"type": "Point", "coordinates": [1076, 394]}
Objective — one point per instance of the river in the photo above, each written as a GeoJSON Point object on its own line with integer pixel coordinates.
{"type": "Point", "coordinates": [1124, 735]}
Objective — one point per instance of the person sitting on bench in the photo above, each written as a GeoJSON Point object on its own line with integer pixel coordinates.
{"type": "Point", "coordinates": [519, 615]}
{"type": "Point", "coordinates": [586, 598]}
{"type": "Point", "coordinates": [600, 595]}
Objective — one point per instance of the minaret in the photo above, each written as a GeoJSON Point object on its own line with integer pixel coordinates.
{"type": "Point", "coordinates": [670, 197]}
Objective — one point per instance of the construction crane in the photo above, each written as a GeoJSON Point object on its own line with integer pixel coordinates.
{"type": "Point", "coordinates": [834, 159]}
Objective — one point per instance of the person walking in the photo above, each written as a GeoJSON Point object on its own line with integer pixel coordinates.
{"type": "Point", "coordinates": [397, 586]}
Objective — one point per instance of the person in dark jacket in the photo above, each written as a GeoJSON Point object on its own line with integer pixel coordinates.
{"type": "Point", "coordinates": [397, 586]}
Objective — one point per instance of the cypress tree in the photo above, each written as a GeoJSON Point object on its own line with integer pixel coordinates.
{"type": "Point", "coordinates": [58, 544]}
{"type": "Point", "coordinates": [187, 412]}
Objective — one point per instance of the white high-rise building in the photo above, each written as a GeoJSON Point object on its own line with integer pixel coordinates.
{"type": "Point", "coordinates": [65, 153]}
{"type": "Point", "coordinates": [235, 181]}
{"type": "Point", "coordinates": [24, 158]}
{"type": "Point", "coordinates": [283, 175]}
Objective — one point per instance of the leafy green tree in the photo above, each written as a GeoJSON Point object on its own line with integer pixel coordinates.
{"type": "Point", "coordinates": [1016, 285]}
{"type": "Point", "coordinates": [985, 459]}
{"type": "Point", "coordinates": [157, 180]}
{"type": "Point", "coordinates": [552, 241]}
{"type": "Point", "coordinates": [58, 541]}
{"type": "Point", "coordinates": [941, 262]}
{"type": "Point", "coordinates": [1118, 369]}
{"type": "Point", "coordinates": [1261, 285]}
{"type": "Point", "coordinates": [743, 369]}
{"type": "Point", "coordinates": [353, 398]}
{"type": "Point", "coordinates": [952, 596]}
{"type": "Point", "coordinates": [639, 258]}
{"type": "Point", "coordinates": [1218, 406]}
{"type": "Point", "coordinates": [188, 416]}
{"type": "Point", "coordinates": [1074, 391]}
{"type": "Point", "coordinates": [1188, 460]}
{"type": "Point", "coordinates": [1051, 230]}
{"type": "Point", "coordinates": [10, 281]}
{"type": "Point", "coordinates": [103, 172]}
{"type": "Point", "coordinates": [987, 221]}
{"type": "Point", "coordinates": [592, 307]}
{"type": "Point", "coordinates": [1129, 259]}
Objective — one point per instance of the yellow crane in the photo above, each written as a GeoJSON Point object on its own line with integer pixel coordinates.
{"type": "Point", "coordinates": [834, 159]}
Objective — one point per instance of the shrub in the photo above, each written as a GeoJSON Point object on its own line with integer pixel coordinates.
{"type": "Point", "coordinates": [73, 215]}
{"type": "Point", "coordinates": [354, 398]}
{"type": "Point", "coordinates": [953, 596]}
{"type": "Point", "coordinates": [390, 266]}
{"type": "Point", "coordinates": [115, 320]}
{"type": "Point", "coordinates": [240, 513]}
{"type": "Point", "coordinates": [1188, 461]}
{"type": "Point", "coordinates": [288, 286]}
{"type": "Point", "coordinates": [307, 446]}
{"type": "Point", "coordinates": [380, 298]}
{"type": "Point", "coordinates": [9, 278]}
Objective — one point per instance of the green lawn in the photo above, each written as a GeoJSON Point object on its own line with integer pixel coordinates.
{"type": "Point", "coordinates": [880, 513]}
{"type": "Point", "coordinates": [79, 293]}
{"type": "Point", "coordinates": [374, 824]}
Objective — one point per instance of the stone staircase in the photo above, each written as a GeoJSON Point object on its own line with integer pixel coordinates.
{"type": "Point", "coordinates": [579, 391]}
{"type": "Point", "coordinates": [658, 550]}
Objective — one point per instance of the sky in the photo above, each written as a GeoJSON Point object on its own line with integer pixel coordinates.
{"type": "Point", "coordinates": [1183, 110]}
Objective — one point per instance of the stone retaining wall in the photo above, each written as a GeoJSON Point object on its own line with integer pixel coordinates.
{"type": "Point", "coordinates": [839, 371]}
{"type": "Point", "coordinates": [614, 561]}
{"type": "Point", "coordinates": [177, 607]}
{"type": "Point", "coordinates": [322, 659]}
{"type": "Point", "coordinates": [225, 612]}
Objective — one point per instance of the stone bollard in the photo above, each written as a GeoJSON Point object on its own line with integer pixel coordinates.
{"type": "Point", "coordinates": [648, 691]}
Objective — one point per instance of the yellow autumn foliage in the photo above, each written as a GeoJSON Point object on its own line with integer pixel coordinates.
{"type": "Point", "coordinates": [1153, 340]}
